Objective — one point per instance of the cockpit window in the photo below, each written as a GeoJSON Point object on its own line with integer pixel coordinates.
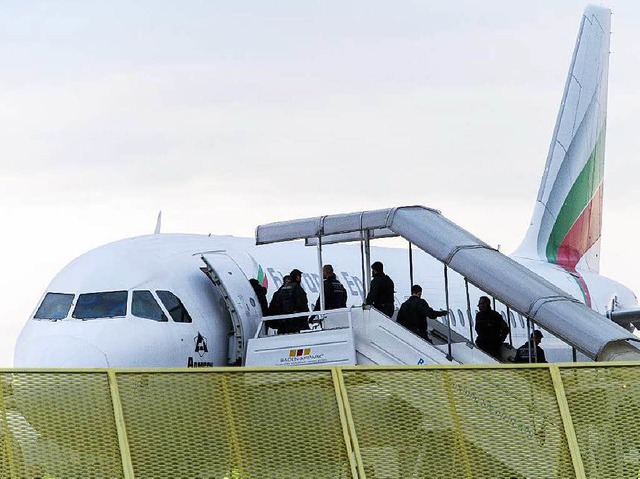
{"type": "Point", "coordinates": [144, 305]}
{"type": "Point", "coordinates": [174, 306]}
{"type": "Point", "coordinates": [54, 306]}
{"type": "Point", "coordinates": [101, 305]}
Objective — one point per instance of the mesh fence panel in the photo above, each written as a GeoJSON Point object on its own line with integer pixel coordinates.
{"type": "Point", "coordinates": [446, 423]}
{"type": "Point", "coordinates": [237, 424]}
{"type": "Point", "coordinates": [605, 406]}
{"type": "Point", "coordinates": [58, 425]}
{"type": "Point", "coordinates": [408, 422]}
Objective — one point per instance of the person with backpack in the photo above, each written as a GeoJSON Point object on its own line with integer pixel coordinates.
{"type": "Point", "coordinates": [292, 298]}
{"type": "Point", "coordinates": [531, 352]}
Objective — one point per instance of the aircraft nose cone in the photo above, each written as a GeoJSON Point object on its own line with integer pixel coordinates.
{"type": "Point", "coordinates": [59, 352]}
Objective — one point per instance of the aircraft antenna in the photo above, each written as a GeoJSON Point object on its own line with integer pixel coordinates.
{"type": "Point", "coordinates": [158, 223]}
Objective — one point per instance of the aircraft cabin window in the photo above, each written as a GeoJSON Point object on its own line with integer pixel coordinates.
{"type": "Point", "coordinates": [111, 304]}
{"type": "Point", "coordinates": [144, 305]}
{"type": "Point", "coordinates": [461, 317]}
{"type": "Point", "coordinates": [174, 306]}
{"type": "Point", "coordinates": [54, 306]}
{"type": "Point", "coordinates": [453, 317]}
{"type": "Point", "coordinates": [521, 320]}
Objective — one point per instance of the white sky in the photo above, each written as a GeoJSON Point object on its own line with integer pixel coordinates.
{"type": "Point", "coordinates": [225, 115]}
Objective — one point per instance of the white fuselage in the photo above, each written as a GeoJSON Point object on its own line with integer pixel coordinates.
{"type": "Point", "coordinates": [172, 262]}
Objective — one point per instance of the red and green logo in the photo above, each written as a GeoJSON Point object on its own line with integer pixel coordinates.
{"type": "Point", "coordinates": [262, 278]}
{"type": "Point", "coordinates": [578, 224]}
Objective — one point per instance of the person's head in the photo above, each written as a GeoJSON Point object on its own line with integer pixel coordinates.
{"type": "Point", "coordinates": [377, 267]}
{"type": "Point", "coordinates": [484, 303]}
{"type": "Point", "coordinates": [286, 279]}
{"type": "Point", "coordinates": [416, 290]}
{"type": "Point", "coordinates": [327, 270]}
{"type": "Point", "coordinates": [296, 275]}
{"type": "Point", "coordinates": [537, 336]}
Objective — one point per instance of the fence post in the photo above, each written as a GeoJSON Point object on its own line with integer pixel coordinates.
{"type": "Point", "coordinates": [7, 439]}
{"type": "Point", "coordinates": [355, 459]}
{"type": "Point", "coordinates": [123, 442]}
{"type": "Point", "coordinates": [567, 422]}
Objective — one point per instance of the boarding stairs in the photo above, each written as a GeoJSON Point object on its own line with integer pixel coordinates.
{"type": "Point", "coordinates": [358, 335]}
{"type": "Point", "coordinates": [507, 281]}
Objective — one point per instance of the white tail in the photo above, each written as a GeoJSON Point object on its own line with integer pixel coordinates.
{"type": "Point", "coordinates": [567, 218]}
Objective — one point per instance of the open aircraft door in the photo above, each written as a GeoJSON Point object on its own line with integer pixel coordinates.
{"type": "Point", "coordinates": [240, 299]}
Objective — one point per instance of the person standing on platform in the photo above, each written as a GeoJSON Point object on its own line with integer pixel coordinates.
{"type": "Point", "coordinates": [293, 299]}
{"type": "Point", "coordinates": [274, 304]}
{"type": "Point", "coordinates": [335, 295]}
{"type": "Point", "coordinates": [261, 293]}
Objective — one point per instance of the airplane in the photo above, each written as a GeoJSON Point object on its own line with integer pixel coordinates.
{"type": "Point", "coordinates": [160, 300]}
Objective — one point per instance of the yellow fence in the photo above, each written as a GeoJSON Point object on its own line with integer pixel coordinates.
{"type": "Point", "coordinates": [425, 422]}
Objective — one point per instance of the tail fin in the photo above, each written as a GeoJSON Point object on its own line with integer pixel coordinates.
{"type": "Point", "coordinates": [567, 218]}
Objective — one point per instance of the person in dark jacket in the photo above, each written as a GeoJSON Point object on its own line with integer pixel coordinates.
{"type": "Point", "coordinates": [414, 312]}
{"type": "Point", "coordinates": [335, 295]}
{"type": "Point", "coordinates": [492, 329]}
{"type": "Point", "coordinates": [292, 298]}
{"type": "Point", "coordinates": [531, 352]}
{"type": "Point", "coordinates": [261, 293]}
{"type": "Point", "coordinates": [381, 290]}
{"type": "Point", "coordinates": [274, 305]}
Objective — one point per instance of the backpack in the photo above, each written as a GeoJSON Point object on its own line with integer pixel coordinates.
{"type": "Point", "coordinates": [287, 300]}
{"type": "Point", "coordinates": [522, 354]}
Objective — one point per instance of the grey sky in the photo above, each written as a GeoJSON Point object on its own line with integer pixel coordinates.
{"type": "Point", "coordinates": [215, 112]}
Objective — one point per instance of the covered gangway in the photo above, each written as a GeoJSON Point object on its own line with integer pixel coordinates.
{"type": "Point", "coordinates": [506, 280]}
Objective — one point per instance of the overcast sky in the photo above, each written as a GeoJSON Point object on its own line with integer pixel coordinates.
{"type": "Point", "coordinates": [225, 115]}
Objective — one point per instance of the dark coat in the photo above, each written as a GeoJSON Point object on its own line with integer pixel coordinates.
{"type": "Point", "coordinates": [291, 298]}
{"type": "Point", "coordinates": [335, 295]}
{"type": "Point", "coordinates": [492, 331]}
{"type": "Point", "coordinates": [274, 305]}
{"type": "Point", "coordinates": [413, 315]}
{"type": "Point", "coordinates": [261, 293]}
{"type": "Point", "coordinates": [381, 294]}
{"type": "Point", "coordinates": [522, 354]}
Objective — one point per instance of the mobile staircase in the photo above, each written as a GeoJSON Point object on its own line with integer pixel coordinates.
{"type": "Point", "coordinates": [366, 336]}
{"type": "Point", "coordinates": [357, 335]}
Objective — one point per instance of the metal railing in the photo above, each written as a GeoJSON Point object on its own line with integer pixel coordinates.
{"type": "Point", "coordinates": [317, 321]}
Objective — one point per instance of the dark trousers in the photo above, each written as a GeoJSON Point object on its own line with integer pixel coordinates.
{"type": "Point", "coordinates": [491, 347]}
{"type": "Point", "coordinates": [294, 325]}
{"type": "Point", "coordinates": [423, 333]}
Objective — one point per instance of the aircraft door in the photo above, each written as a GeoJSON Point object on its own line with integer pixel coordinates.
{"type": "Point", "coordinates": [240, 299]}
